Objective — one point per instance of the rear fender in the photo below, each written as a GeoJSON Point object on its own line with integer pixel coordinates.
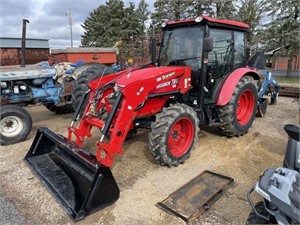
{"type": "Point", "coordinates": [231, 82]}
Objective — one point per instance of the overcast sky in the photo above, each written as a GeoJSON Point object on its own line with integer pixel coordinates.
{"type": "Point", "coordinates": [48, 19]}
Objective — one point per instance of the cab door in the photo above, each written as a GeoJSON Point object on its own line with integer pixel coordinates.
{"type": "Point", "coordinates": [228, 54]}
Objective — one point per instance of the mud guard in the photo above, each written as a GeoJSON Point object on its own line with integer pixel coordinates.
{"type": "Point", "coordinates": [231, 82]}
{"type": "Point", "coordinates": [76, 179]}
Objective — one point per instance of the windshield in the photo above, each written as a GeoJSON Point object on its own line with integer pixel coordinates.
{"type": "Point", "coordinates": [181, 45]}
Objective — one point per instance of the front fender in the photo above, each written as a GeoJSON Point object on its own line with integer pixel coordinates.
{"type": "Point", "coordinates": [231, 82]}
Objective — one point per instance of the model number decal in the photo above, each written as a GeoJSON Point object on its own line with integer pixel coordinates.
{"type": "Point", "coordinates": [163, 85]}
{"type": "Point", "coordinates": [173, 82]}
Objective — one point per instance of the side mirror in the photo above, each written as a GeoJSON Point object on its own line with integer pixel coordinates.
{"type": "Point", "coordinates": [208, 44]}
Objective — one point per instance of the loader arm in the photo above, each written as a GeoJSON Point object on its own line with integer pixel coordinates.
{"type": "Point", "coordinates": [129, 102]}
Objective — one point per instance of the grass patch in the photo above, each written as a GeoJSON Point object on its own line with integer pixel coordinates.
{"type": "Point", "coordinates": [285, 80]}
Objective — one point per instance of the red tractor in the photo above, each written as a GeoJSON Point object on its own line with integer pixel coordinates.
{"type": "Point", "coordinates": [201, 77]}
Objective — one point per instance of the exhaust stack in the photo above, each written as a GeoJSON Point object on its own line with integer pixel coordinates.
{"type": "Point", "coordinates": [23, 42]}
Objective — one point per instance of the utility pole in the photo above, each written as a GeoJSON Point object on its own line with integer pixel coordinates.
{"type": "Point", "coordinates": [69, 15]}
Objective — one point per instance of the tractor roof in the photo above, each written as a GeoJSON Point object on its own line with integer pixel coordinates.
{"type": "Point", "coordinates": [210, 21]}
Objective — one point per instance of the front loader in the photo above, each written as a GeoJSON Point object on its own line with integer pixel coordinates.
{"type": "Point", "coordinates": [200, 78]}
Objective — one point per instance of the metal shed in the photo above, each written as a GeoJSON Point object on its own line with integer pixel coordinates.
{"type": "Point", "coordinates": [37, 50]}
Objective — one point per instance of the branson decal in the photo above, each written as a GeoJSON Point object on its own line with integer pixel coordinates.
{"type": "Point", "coordinates": [167, 75]}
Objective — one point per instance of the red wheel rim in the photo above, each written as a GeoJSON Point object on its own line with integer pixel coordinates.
{"type": "Point", "coordinates": [181, 137]}
{"type": "Point", "coordinates": [245, 107]}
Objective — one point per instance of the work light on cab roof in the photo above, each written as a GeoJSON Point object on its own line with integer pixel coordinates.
{"type": "Point", "coordinates": [198, 19]}
{"type": "Point", "coordinates": [164, 24]}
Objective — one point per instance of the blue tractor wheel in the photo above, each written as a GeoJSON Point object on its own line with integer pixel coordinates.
{"type": "Point", "coordinates": [15, 124]}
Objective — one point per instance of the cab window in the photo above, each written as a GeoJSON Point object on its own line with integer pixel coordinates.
{"type": "Point", "coordinates": [239, 49]}
{"type": "Point", "coordinates": [220, 58]}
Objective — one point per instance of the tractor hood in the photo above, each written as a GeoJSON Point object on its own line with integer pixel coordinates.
{"type": "Point", "coordinates": [161, 73]}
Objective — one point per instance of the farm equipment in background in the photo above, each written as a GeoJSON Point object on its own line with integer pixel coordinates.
{"type": "Point", "coordinates": [39, 83]}
{"type": "Point", "coordinates": [268, 86]}
{"type": "Point", "coordinates": [280, 188]}
{"type": "Point", "coordinates": [50, 83]}
{"type": "Point", "coordinates": [200, 78]}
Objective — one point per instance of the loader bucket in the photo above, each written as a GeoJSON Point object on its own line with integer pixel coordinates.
{"type": "Point", "coordinates": [78, 181]}
{"type": "Point", "coordinates": [262, 107]}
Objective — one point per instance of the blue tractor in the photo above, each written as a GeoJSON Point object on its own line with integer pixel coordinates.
{"type": "Point", "coordinates": [51, 86]}
{"type": "Point", "coordinates": [268, 86]}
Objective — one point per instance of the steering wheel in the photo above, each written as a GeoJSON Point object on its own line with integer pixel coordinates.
{"type": "Point", "coordinates": [195, 63]}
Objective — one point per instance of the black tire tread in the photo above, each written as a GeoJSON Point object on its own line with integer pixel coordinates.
{"type": "Point", "coordinates": [63, 109]}
{"type": "Point", "coordinates": [160, 128]}
{"type": "Point", "coordinates": [254, 219]}
{"type": "Point", "coordinates": [227, 125]}
{"type": "Point", "coordinates": [80, 85]}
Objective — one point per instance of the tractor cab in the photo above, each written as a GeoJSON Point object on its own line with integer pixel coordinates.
{"type": "Point", "coordinates": [211, 48]}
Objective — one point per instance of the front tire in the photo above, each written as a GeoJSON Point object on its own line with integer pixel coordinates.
{"type": "Point", "coordinates": [255, 219]}
{"type": "Point", "coordinates": [15, 124]}
{"type": "Point", "coordinates": [238, 114]}
{"type": "Point", "coordinates": [173, 134]}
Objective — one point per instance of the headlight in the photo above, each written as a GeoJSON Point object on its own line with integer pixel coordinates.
{"type": "Point", "coordinates": [198, 19]}
{"type": "Point", "coordinates": [164, 24]}
{"type": "Point", "coordinates": [262, 193]}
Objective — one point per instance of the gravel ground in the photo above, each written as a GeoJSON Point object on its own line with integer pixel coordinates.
{"type": "Point", "coordinates": [8, 212]}
{"type": "Point", "coordinates": [24, 200]}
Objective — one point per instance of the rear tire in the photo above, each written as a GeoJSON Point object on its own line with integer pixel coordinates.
{"type": "Point", "coordinates": [15, 124]}
{"type": "Point", "coordinates": [173, 134]}
{"type": "Point", "coordinates": [64, 109]}
{"type": "Point", "coordinates": [78, 70]}
{"type": "Point", "coordinates": [238, 114]}
{"type": "Point", "coordinates": [254, 219]}
{"type": "Point", "coordinates": [80, 86]}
